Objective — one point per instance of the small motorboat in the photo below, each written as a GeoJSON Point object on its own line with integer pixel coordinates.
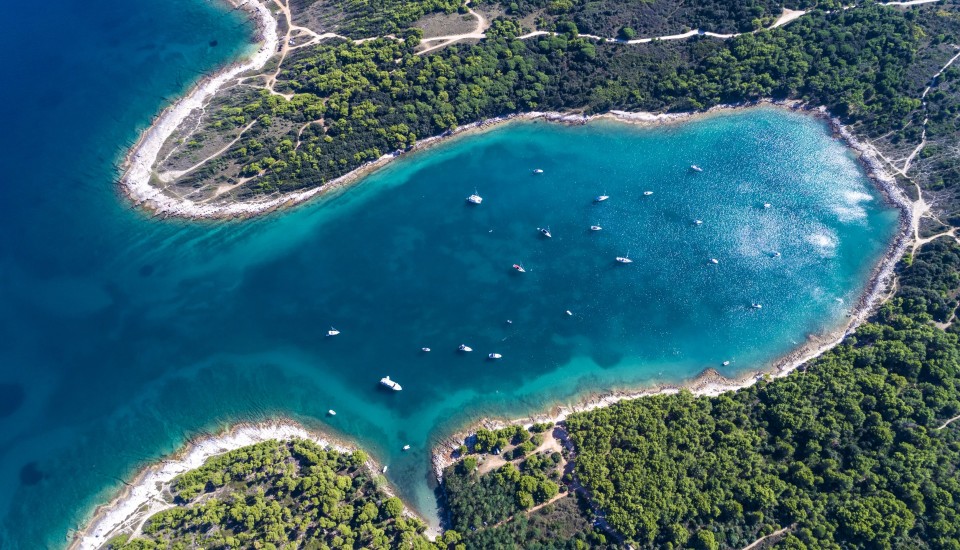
{"type": "Point", "coordinates": [767, 205]}
{"type": "Point", "coordinates": [538, 171]}
{"type": "Point", "coordinates": [464, 348]}
{"type": "Point", "coordinates": [406, 447]}
{"type": "Point", "coordinates": [332, 412]}
{"type": "Point", "coordinates": [726, 363]}
{"type": "Point", "coordinates": [755, 305]}
{"type": "Point", "coordinates": [647, 193]}
{"type": "Point", "coordinates": [774, 254]}
{"type": "Point", "coordinates": [624, 259]}
{"type": "Point", "coordinates": [519, 268]}
{"type": "Point", "coordinates": [494, 356]}
{"type": "Point", "coordinates": [425, 350]}
{"type": "Point", "coordinates": [601, 198]}
{"type": "Point", "coordinates": [696, 168]}
{"type": "Point", "coordinates": [333, 332]}
{"type": "Point", "coordinates": [509, 322]}
{"type": "Point", "coordinates": [390, 383]}
{"type": "Point", "coordinates": [474, 198]}
{"type": "Point", "coordinates": [697, 222]}
{"type": "Point", "coordinates": [569, 312]}
{"type": "Point", "coordinates": [545, 231]}
{"type": "Point", "coordinates": [714, 261]}
{"type": "Point", "coordinates": [384, 470]}
{"type": "Point", "coordinates": [595, 228]}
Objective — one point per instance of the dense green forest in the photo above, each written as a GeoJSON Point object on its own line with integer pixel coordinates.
{"type": "Point", "coordinates": [848, 453]}
{"type": "Point", "coordinates": [280, 495]}
{"type": "Point", "coordinates": [352, 103]}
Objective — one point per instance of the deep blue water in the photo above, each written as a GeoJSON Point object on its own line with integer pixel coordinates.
{"type": "Point", "coordinates": [122, 335]}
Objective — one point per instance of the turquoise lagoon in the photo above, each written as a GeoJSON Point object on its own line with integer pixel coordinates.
{"type": "Point", "coordinates": [126, 335]}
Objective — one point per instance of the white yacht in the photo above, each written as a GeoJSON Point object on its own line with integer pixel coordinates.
{"type": "Point", "coordinates": [333, 332]}
{"type": "Point", "coordinates": [519, 268]}
{"type": "Point", "coordinates": [756, 305]}
{"type": "Point", "coordinates": [494, 356]}
{"type": "Point", "coordinates": [538, 171]}
{"type": "Point", "coordinates": [595, 228]}
{"type": "Point", "coordinates": [775, 255]}
{"type": "Point", "coordinates": [647, 193]}
{"type": "Point", "coordinates": [474, 198]}
{"type": "Point", "coordinates": [390, 384]}
{"type": "Point", "coordinates": [726, 363]}
{"type": "Point", "coordinates": [697, 222]}
{"type": "Point", "coordinates": [332, 412]}
{"type": "Point", "coordinates": [714, 261]}
{"type": "Point", "coordinates": [696, 168]}
{"type": "Point", "coordinates": [464, 348]}
{"type": "Point", "coordinates": [545, 231]}
{"type": "Point", "coordinates": [624, 259]}
{"type": "Point", "coordinates": [767, 205]}
{"type": "Point", "coordinates": [425, 350]}
{"type": "Point", "coordinates": [601, 198]}
{"type": "Point", "coordinates": [406, 447]}
{"type": "Point", "coordinates": [569, 312]}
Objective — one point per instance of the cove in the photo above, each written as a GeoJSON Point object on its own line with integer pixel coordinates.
{"type": "Point", "coordinates": [174, 328]}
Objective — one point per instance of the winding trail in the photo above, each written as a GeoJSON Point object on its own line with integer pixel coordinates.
{"type": "Point", "coordinates": [948, 422]}
{"type": "Point", "coordinates": [756, 544]}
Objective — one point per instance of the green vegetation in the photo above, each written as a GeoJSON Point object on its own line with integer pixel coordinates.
{"type": "Point", "coordinates": [563, 524]}
{"type": "Point", "coordinates": [279, 495]}
{"type": "Point", "coordinates": [477, 500]}
{"type": "Point", "coordinates": [847, 452]}
{"type": "Point", "coordinates": [352, 103]}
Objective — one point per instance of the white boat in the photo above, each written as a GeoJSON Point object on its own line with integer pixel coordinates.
{"type": "Point", "coordinates": [726, 363]}
{"type": "Point", "coordinates": [775, 255]}
{"type": "Point", "coordinates": [509, 322]}
{"type": "Point", "coordinates": [494, 356]}
{"type": "Point", "coordinates": [545, 231]}
{"type": "Point", "coordinates": [756, 305]}
{"type": "Point", "coordinates": [474, 198]}
{"type": "Point", "coordinates": [647, 193]}
{"type": "Point", "coordinates": [569, 312]}
{"type": "Point", "coordinates": [767, 205]}
{"type": "Point", "coordinates": [384, 470]}
{"type": "Point", "coordinates": [538, 171]}
{"type": "Point", "coordinates": [425, 350]}
{"type": "Point", "coordinates": [406, 447]}
{"type": "Point", "coordinates": [595, 228]}
{"type": "Point", "coordinates": [333, 332]}
{"type": "Point", "coordinates": [697, 222]}
{"type": "Point", "coordinates": [519, 268]}
{"type": "Point", "coordinates": [390, 384]}
{"type": "Point", "coordinates": [696, 168]}
{"type": "Point", "coordinates": [601, 198]}
{"type": "Point", "coordinates": [332, 412]}
{"type": "Point", "coordinates": [714, 261]}
{"type": "Point", "coordinates": [464, 348]}
{"type": "Point", "coordinates": [624, 259]}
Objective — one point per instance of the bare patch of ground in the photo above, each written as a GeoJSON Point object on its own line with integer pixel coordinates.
{"type": "Point", "coordinates": [443, 24]}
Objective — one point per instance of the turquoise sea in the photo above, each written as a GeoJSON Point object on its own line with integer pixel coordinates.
{"type": "Point", "coordinates": [121, 336]}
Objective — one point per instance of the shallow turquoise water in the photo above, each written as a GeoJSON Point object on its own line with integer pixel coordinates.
{"type": "Point", "coordinates": [126, 335]}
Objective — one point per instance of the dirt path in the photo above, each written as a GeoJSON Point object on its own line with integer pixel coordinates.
{"type": "Point", "coordinates": [756, 544]}
{"type": "Point", "coordinates": [948, 422]}
{"type": "Point", "coordinates": [171, 175]}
